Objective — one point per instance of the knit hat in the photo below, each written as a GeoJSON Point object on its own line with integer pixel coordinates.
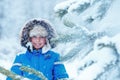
{"type": "Point", "coordinates": [37, 27]}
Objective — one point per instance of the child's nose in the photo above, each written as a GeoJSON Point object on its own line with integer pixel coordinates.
{"type": "Point", "coordinates": [38, 39]}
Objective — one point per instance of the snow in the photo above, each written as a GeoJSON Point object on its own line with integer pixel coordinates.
{"type": "Point", "coordinates": [116, 40]}
{"type": "Point", "coordinates": [105, 54]}
{"type": "Point", "coordinates": [112, 41]}
{"type": "Point", "coordinates": [78, 4]}
{"type": "Point", "coordinates": [96, 59]}
{"type": "Point", "coordinates": [64, 5]}
{"type": "Point", "coordinates": [110, 22]}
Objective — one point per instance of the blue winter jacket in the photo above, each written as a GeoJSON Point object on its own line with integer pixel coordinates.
{"type": "Point", "coordinates": [48, 63]}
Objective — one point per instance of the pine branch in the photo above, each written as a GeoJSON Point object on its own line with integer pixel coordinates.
{"type": "Point", "coordinates": [12, 75]}
{"type": "Point", "coordinates": [33, 71]}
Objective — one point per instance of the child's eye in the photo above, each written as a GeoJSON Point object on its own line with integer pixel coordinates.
{"type": "Point", "coordinates": [34, 36]}
{"type": "Point", "coordinates": [42, 37]}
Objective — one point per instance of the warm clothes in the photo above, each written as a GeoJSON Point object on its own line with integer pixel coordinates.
{"type": "Point", "coordinates": [41, 28]}
{"type": "Point", "coordinates": [45, 28]}
{"type": "Point", "coordinates": [49, 64]}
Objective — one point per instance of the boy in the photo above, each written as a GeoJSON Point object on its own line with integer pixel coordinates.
{"type": "Point", "coordinates": [37, 37]}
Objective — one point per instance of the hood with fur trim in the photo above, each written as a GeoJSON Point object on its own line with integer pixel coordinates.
{"type": "Point", "coordinates": [29, 29]}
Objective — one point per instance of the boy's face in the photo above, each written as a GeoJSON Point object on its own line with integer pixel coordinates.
{"type": "Point", "coordinates": [38, 42]}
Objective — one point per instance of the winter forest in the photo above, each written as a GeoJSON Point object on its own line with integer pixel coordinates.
{"type": "Point", "coordinates": [88, 34]}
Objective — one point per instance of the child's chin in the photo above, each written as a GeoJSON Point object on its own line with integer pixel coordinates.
{"type": "Point", "coordinates": [38, 47]}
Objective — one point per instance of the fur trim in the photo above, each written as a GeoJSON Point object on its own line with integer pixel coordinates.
{"type": "Point", "coordinates": [46, 47]}
{"type": "Point", "coordinates": [38, 31]}
{"type": "Point", "coordinates": [29, 46]}
{"type": "Point", "coordinates": [25, 34]}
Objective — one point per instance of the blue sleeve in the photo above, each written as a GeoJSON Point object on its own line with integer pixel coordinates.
{"type": "Point", "coordinates": [16, 66]}
{"type": "Point", "coordinates": [59, 69]}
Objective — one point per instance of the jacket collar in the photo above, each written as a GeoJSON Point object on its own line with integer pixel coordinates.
{"type": "Point", "coordinates": [37, 53]}
{"type": "Point", "coordinates": [34, 52]}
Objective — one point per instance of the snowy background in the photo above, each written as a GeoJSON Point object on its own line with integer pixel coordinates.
{"type": "Point", "coordinates": [89, 37]}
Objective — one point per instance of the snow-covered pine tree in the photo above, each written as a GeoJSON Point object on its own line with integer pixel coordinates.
{"type": "Point", "coordinates": [89, 15]}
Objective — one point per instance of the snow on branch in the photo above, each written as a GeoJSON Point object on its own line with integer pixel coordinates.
{"type": "Point", "coordinates": [61, 9]}
{"type": "Point", "coordinates": [72, 5]}
{"type": "Point", "coordinates": [12, 75]}
{"type": "Point", "coordinates": [113, 42]}
{"type": "Point", "coordinates": [33, 71]}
